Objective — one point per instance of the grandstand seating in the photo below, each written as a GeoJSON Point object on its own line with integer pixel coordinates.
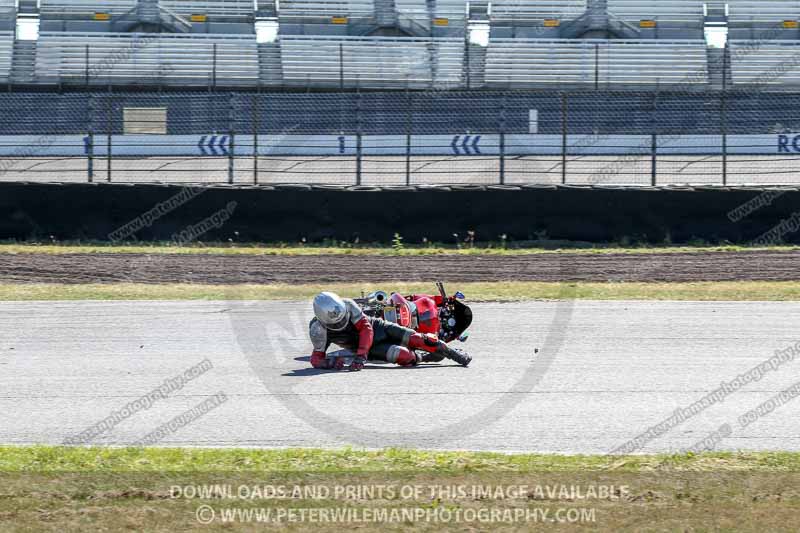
{"type": "Point", "coordinates": [372, 62]}
{"type": "Point", "coordinates": [6, 54]}
{"type": "Point", "coordinates": [360, 17]}
{"type": "Point", "coordinates": [411, 13]}
{"type": "Point", "coordinates": [84, 8]}
{"type": "Point", "coordinates": [8, 15]}
{"type": "Point", "coordinates": [7, 8]}
{"type": "Point", "coordinates": [532, 62]}
{"type": "Point", "coordinates": [455, 11]}
{"type": "Point", "coordinates": [171, 59]}
{"type": "Point", "coordinates": [534, 11]}
{"type": "Point", "coordinates": [314, 49]}
{"type": "Point", "coordinates": [212, 8]}
{"type": "Point", "coordinates": [326, 9]}
{"type": "Point", "coordinates": [672, 11]}
{"type": "Point", "coordinates": [226, 8]}
{"type": "Point", "coordinates": [763, 12]}
{"type": "Point", "coordinates": [765, 63]}
{"type": "Point", "coordinates": [414, 15]}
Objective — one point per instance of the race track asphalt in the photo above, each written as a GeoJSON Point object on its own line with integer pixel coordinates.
{"type": "Point", "coordinates": [604, 373]}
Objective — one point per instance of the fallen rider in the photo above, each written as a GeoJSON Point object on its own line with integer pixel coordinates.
{"type": "Point", "coordinates": [340, 321]}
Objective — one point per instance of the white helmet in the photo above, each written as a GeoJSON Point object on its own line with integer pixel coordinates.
{"type": "Point", "coordinates": [331, 311]}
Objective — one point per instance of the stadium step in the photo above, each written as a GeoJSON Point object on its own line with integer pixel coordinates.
{"type": "Point", "coordinates": [385, 14]}
{"type": "Point", "coordinates": [719, 73]}
{"type": "Point", "coordinates": [475, 66]}
{"type": "Point", "coordinates": [269, 61]}
{"type": "Point", "coordinates": [28, 7]}
{"type": "Point", "coordinates": [23, 65]}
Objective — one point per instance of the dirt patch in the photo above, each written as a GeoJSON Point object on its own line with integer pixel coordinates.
{"type": "Point", "coordinates": [227, 269]}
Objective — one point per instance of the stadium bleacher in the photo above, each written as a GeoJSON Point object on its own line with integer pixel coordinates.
{"type": "Point", "coordinates": [452, 11]}
{"type": "Point", "coordinates": [413, 15]}
{"type": "Point", "coordinates": [218, 8]}
{"type": "Point", "coordinates": [131, 58]}
{"type": "Point", "coordinates": [8, 15]}
{"type": "Point", "coordinates": [7, 8]}
{"type": "Point", "coordinates": [763, 19]}
{"type": "Point", "coordinates": [762, 12]}
{"type": "Point", "coordinates": [326, 9]}
{"type": "Point", "coordinates": [6, 54]}
{"type": "Point", "coordinates": [765, 63]}
{"type": "Point", "coordinates": [686, 12]}
{"type": "Point", "coordinates": [212, 8]}
{"type": "Point", "coordinates": [403, 43]}
{"type": "Point", "coordinates": [371, 62]}
{"type": "Point", "coordinates": [532, 62]}
{"type": "Point", "coordinates": [57, 9]}
{"type": "Point", "coordinates": [535, 11]}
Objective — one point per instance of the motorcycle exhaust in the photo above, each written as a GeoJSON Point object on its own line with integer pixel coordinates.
{"type": "Point", "coordinates": [377, 297]}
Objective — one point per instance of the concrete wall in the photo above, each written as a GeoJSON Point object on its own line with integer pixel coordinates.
{"type": "Point", "coordinates": [84, 211]}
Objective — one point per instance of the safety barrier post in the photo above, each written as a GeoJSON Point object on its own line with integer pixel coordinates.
{"type": "Point", "coordinates": [653, 155]}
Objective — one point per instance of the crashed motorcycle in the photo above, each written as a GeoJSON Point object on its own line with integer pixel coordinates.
{"type": "Point", "coordinates": [446, 317]}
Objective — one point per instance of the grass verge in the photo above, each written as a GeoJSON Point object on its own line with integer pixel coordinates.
{"type": "Point", "coordinates": [291, 249]}
{"type": "Point", "coordinates": [476, 292]}
{"type": "Point", "coordinates": [58, 489]}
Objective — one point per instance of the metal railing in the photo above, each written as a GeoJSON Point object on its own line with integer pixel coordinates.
{"type": "Point", "coordinates": [389, 138]}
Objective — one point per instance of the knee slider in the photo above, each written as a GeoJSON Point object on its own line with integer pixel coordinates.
{"type": "Point", "coordinates": [402, 356]}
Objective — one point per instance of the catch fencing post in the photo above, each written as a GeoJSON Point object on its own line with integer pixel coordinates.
{"type": "Point", "coordinates": [231, 150]}
{"type": "Point", "coordinates": [90, 140]}
{"type": "Point", "coordinates": [563, 138]}
{"type": "Point", "coordinates": [503, 141]}
{"type": "Point", "coordinates": [596, 67]}
{"type": "Point", "coordinates": [214, 67]}
{"type": "Point", "coordinates": [358, 138]}
{"type": "Point", "coordinates": [341, 67]}
{"type": "Point", "coordinates": [724, 131]}
{"type": "Point", "coordinates": [409, 118]}
{"type": "Point", "coordinates": [468, 70]}
{"type": "Point", "coordinates": [231, 132]}
{"type": "Point", "coordinates": [653, 153]}
{"type": "Point", "coordinates": [86, 58]}
{"type": "Point", "coordinates": [256, 119]}
{"type": "Point", "coordinates": [109, 126]}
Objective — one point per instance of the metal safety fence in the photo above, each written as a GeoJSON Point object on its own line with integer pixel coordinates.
{"type": "Point", "coordinates": [402, 138]}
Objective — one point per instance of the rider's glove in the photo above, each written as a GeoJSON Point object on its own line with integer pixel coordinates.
{"type": "Point", "coordinates": [357, 364]}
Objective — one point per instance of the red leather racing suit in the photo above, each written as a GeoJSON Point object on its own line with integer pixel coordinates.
{"type": "Point", "coordinates": [370, 338]}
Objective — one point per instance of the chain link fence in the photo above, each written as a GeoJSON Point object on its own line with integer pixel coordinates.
{"type": "Point", "coordinates": [403, 138]}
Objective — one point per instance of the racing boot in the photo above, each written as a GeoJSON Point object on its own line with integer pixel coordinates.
{"type": "Point", "coordinates": [437, 349]}
{"type": "Point", "coordinates": [425, 357]}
